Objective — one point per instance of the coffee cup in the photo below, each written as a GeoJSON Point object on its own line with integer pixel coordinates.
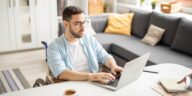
{"type": "Point", "coordinates": [70, 92]}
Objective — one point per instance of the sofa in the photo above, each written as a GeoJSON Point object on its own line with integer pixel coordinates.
{"type": "Point", "coordinates": [174, 47]}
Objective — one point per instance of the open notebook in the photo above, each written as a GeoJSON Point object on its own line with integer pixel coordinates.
{"type": "Point", "coordinates": [171, 85]}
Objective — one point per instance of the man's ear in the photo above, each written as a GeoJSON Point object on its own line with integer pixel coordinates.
{"type": "Point", "coordinates": [65, 24]}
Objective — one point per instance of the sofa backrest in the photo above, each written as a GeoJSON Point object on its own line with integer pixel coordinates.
{"type": "Point", "coordinates": [61, 29]}
{"type": "Point", "coordinates": [99, 22]}
{"type": "Point", "coordinates": [140, 22]}
{"type": "Point", "coordinates": [167, 22]}
{"type": "Point", "coordinates": [183, 38]}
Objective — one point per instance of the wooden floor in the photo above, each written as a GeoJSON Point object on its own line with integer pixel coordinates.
{"type": "Point", "coordinates": [31, 63]}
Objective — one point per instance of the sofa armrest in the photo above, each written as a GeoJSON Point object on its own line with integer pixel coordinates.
{"type": "Point", "coordinates": [99, 22]}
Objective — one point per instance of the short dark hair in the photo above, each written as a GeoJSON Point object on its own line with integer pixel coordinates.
{"type": "Point", "coordinates": [69, 11]}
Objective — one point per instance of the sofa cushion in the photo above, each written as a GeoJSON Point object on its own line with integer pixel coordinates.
{"type": "Point", "coordinates": [119, 24]}
{"type": "Point", "coordinates": [140, 22]}
{"type": "Point", "coordinates": [114, 38]}
{"type": "Point", "coordinates": [167, 22]}
{"type": "Point", "coordinates": [183, 38]}
{"type": "Point", "coordinates": [108, 44]}
{"type": "Point", "coordinates": [129, 48]}
{"type": "Point", "coordinates": [159, 54]}
{"type": "Point", "coordinates": [154, 35]}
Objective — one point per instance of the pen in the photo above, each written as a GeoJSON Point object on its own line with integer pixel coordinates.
{"type": "Point", "coordinates": [155, 72]}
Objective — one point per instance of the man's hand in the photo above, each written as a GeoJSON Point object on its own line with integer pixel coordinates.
{"type": "Point", "coordinates": [110, 63]}
{"type": "Point", "coordinates": [184, 79]}
{"type": "Point", "coordinates": [101, 77]}
{"type": "Point", "coordinates": [116, 69]}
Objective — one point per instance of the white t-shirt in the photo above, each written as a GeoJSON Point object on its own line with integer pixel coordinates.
{"type": "Point", "coordinates": [79, 60]}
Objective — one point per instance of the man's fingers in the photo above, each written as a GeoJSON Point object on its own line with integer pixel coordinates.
{"type": "Point", "coordinates": [103, 77]}
{"type": "Point", "coordinates": [183, 80]}
{"type": "Point", "coordinates": [110, 76]}
{"type": "Point", "coordinates": [104, 81]}
{"type": "Point", "coordinates": [106, 77]}
{"type": "Point", "coordinates": [113, 72]}
{"type": "Point", "coordinates": [119, 69]}
{"type": "Point", "coordinates": [116, 69]}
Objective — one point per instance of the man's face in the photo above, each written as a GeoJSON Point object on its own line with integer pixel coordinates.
{"type": "Point", "coordinates": [76, 25]}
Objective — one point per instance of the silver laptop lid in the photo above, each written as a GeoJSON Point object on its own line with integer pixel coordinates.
{"type": "Point", "coordinates": [132, 70]}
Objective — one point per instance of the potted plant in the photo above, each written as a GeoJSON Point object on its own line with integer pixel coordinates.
{"type": "Point", "coordinates": [142, 2]}
{"type": "Point", "coordinates": [153, 4]}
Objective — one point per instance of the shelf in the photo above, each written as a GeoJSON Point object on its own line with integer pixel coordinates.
{"type": "Point", "coordinates": [126, 7]}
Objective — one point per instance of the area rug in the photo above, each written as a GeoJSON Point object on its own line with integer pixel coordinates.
{"type": "Point", "coordinates": [12, 80]}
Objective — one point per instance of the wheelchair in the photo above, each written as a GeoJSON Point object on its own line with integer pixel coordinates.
{"type": "Point", "coordinates": [50, 79]}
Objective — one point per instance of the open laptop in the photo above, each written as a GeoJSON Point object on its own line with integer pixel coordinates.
{"type": "Point", "coordinates": [131, 71]}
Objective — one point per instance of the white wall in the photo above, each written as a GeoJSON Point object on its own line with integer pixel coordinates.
{"type": "Point", "coordinates": [131, 2]}
{"type": "Point", "coordinates": [83, 4]}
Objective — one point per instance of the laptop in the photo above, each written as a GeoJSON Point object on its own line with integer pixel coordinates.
{"type": "Point", "coordinates": [131, 71]}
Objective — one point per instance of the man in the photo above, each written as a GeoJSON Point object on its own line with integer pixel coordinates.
{"type": "Point", "coordinates": [76, 55]}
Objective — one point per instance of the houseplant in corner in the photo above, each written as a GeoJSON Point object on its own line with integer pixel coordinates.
{"type": "Point", "coordinates": [153, 3]}
{"type": "Point", "coordinates": [142, 3]}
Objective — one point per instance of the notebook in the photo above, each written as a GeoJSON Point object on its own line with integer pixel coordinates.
{"type": "Point", "coordinates": [171, 85]}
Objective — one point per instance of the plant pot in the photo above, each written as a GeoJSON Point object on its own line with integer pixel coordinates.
{"type": "Point", "coordinates": [153, 5]}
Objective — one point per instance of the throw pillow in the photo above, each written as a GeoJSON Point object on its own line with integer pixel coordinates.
{"type": "Point", "coordinates": [89, 29]}
{"type": "Point", "coordinates": [120, 24]}
{"type": "Point", "coordinates": [153, 35]}
{"type": "Point", "coordinates": [167, 22]}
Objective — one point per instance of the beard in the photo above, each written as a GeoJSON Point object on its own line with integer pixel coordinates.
{"type": "Point", "coordinates": [76, 35]}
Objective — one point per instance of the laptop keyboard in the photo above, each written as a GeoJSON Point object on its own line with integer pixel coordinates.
{"type": "Point", "coordinates": [115, 82]}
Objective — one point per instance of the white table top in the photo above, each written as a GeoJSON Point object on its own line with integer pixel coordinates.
{"type": "Point", "coordinates": [140, 87]}
{"type": "Point", "coordinates": [84, 88]}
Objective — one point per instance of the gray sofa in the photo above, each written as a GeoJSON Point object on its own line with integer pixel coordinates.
{"type": "Point", "coordinates": [174, 47]}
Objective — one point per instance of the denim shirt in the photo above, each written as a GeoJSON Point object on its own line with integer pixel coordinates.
{"type": "Point", "coordinates": [59, 57]}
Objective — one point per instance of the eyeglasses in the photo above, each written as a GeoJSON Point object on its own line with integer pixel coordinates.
{"type": "Point", "coordinates": [79, 24]}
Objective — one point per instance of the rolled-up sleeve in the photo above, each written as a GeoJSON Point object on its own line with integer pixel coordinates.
{"type": "Point", "coordinates": [102, 54]}
{"type": "Point", "coordinates": [55, 61]}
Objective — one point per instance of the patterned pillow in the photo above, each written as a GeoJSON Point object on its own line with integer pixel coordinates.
{"type": "Point", "coordinates": [153, 35]}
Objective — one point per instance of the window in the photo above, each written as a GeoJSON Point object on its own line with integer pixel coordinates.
{"type": "Point", "coordinates": [61, 4]}
{"type": "Point", "coordinates": [186, 5]}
